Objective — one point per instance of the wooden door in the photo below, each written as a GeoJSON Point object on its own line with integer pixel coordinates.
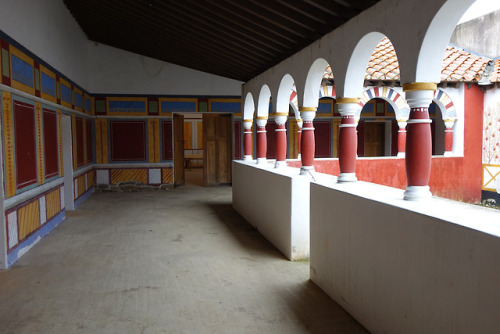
{"type": "Point", "coordinates": [178, 150]}
{"type": "Point", "coordinates": [374, 139]}
{"type": "Point", "coordinates": [217, 149]}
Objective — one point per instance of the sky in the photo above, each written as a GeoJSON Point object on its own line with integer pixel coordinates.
{"type": "Point", "coordinates": [480, 8]}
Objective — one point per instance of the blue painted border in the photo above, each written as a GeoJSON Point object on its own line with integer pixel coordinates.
{"type": "Point", "coordinates": [13, 256]}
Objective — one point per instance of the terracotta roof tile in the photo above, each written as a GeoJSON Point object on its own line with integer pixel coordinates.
{"type": "Point", "coordinates": [458, 65]}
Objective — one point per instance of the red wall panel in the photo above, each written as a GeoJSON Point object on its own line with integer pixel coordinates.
{"type": "Point", "coordinates": [271, 139]}
{"type": "Point", "coordinates": [237, 140]}
{"type": "Point", "coordinates": [323, 139]}
{"type": "Point", "coordinates": [80, 157]}
{"type": "Point", "coordinates": [51, 149]}
{"type": "Point", "coordinates": [90, 149]}
{"type": "Point", "coordinates": [128, 140]}
{"type": "Point", "coordinates": [167, 151]}
{"type": "Point", "coordinates": [25, 144]}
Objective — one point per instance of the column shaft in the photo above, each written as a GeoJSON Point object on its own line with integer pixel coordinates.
{"type": "Point", "coordinates": [348, 139]}
{"type": "Point", "coordinates": [418, 140]}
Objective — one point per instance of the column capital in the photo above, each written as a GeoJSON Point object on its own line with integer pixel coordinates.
{"type": "Point", "coordinates": [402, 123]}
{"type": "Point", "coordinates": [301, 109]}
{"type": "Point", "coordinates": [261, 120]}
{"type": "Point", "coordinates": [247, 124]}
{"type": "Point", "coordinates": [419, 86]}
{"type": "Point", "coordinates": [449, 122]}
{"type": "Point", "coordinates": [280, 118]}
{"type": "Point", "coordinates": [348, 109]}
{"type": "Point", "coordinates": [347, 100]}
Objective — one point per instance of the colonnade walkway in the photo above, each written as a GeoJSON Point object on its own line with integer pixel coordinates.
{"type": "Point", "coordinates": [177, 261]}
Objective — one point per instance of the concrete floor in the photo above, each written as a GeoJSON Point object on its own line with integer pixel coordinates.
{"type": "Point", "coordinates": [178, 261]}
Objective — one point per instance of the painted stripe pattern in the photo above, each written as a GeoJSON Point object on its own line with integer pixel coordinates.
{"type": "Point", "coordinates": [122, 175]}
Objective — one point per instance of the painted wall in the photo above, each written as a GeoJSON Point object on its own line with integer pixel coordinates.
{"type": "Point", "coordinates": [406, 267]}
{"type": "Point", "coordinates": [115, 71]}
{"type": "Point", "coordinates": [48, 29]}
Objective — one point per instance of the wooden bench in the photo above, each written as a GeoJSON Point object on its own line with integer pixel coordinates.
{"type": "Point", "coordinates": [191, 155]}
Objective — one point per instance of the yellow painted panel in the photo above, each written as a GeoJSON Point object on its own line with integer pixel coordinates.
{"type": "Point", "coordinates": [8, 139]}
{"type": "Point", "coordinates": [157, 149]}
{"type": "Point", "coordinates": [122, 175]}
{"type": "Point", "coordinates": [151, 140]}
{"type": "Point", "coordinates": [90, 179]}
{"type": "Point", "coordinates": [84, 141]}
{"type": "Point", "coordinates": [60, 141]}
{"type": "Point", "coordinates": [188, 142]}
{"type": "Point", "coordinates": [39, 144]}
{"type": "Point", "coordinates": [104, 141]}
{"type": "Point", "coordinates": [53, 202]}
{"type": "Point", "coordinates": [167, 175]}
{"type": "Point", "coordinates": [200, 135]}
{"type": "Point", "coordinates": [81, 184]}
{"type": "Point", "coordinates": [28, 219]}
{"type": "Point", "coordinates": [292, 139]}
{"type": "Point", "coordinates": [73, 132]}
{"type": "Point", "coordinates": [17, 84]}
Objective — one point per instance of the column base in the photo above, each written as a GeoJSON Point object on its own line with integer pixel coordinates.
{"type": "Point", "coordinates": [416, 193]}
{"type": "Point", "coordinates": [401, 155]}
{"type": "Point", "coordinates": [247, 158]}
{"type": "Point", "coordinates": [280, 164]}
{"type": "Point", "coordinates": [448, 153]}
{"type": "Point", "coordinates": [306, 170]}
{"type": "Point", "coordinates": [262, 161]}
{"type": "Point", "coordinates": [299, 157]}
{"type": "Point", "coordinates": [347, 177]}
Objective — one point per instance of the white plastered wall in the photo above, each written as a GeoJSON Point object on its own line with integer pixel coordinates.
{"type": "Point", "coordinates": [115, 71]}
{"type": "Point", "coordinates": [48, 29]}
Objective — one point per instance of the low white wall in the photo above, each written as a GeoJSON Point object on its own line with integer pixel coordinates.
{"type": "Point", "coordinates": [406, 267]}
{"type": "Point", "coordinates": [276, 202]}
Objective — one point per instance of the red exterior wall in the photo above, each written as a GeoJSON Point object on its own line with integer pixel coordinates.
{"type": "Point", "coordinates": [454, 178]}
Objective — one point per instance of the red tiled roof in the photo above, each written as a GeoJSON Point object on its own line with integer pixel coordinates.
{"type": "Point", "coordinates": [458, 65]}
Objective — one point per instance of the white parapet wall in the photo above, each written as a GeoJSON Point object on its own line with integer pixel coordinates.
{"type": "Point", "coordinates": [406, 267]}
{"type": "Point", "coordinates": [276, 202]}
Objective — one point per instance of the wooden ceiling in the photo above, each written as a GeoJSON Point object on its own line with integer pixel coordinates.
{"type": "Point", "coordinates": [232, 38]}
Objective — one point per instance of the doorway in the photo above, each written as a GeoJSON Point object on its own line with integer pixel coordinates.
{"type": "Point", "coordinates": [202, 149]}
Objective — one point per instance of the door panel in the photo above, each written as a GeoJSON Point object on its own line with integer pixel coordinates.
{"type": "Point", "coordinates": [178, 149]}
{"type": "Point", "coordinates": [217, 141]}
{"type": "Point", "coordinates": [374, 139]}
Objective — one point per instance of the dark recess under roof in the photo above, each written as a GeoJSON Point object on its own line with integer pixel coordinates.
{"type": "Point", "coordinates": [234, 39]}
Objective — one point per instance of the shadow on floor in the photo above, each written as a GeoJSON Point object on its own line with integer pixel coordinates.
{"type": "Point", "coordinates": [317, 311]}
{"type": "Point", "coordinates": [248, 236]}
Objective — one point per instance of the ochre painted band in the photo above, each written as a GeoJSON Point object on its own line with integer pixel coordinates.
{"type": "Point", "coordinates": [248, 120]}
{"type": "Point", "coordinates": [449, 120]}
{"type": "Point", "coordinates": [281, 114]}
{"type": "Point", "coordinates": [344, 100]}
{"type": "Point", "coordinates": [308, 108]}
{"type": "Point", "coordinates": [261, 118]}
{"type": "Point", "coordinates": [419, 86]}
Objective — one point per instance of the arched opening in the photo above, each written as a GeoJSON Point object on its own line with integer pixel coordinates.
{"type": "Point", "coordinates": [437, 129]}
{"type": "Point", "coordinates": [377, 129]}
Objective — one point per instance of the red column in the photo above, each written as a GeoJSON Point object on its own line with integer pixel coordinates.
{"type": "Point", "coordinates": [299, 137]}
{"type": "Point", "coordinates": [418, 140]}
{"type": "Point", "coordinates": [247, 139]}
{"type": "Point", "coordinates": [401, 138]}
{"type": "Point", "coordinates": [280, 120]}
{"type": "Point", "coordinates": [307, 139]}
{"type": "Point", "coordinates": [448, 137]}
{"type": "Point", "coordinates": [348, 139]}
{"type": "Point", "coordinates": [261, 139]}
